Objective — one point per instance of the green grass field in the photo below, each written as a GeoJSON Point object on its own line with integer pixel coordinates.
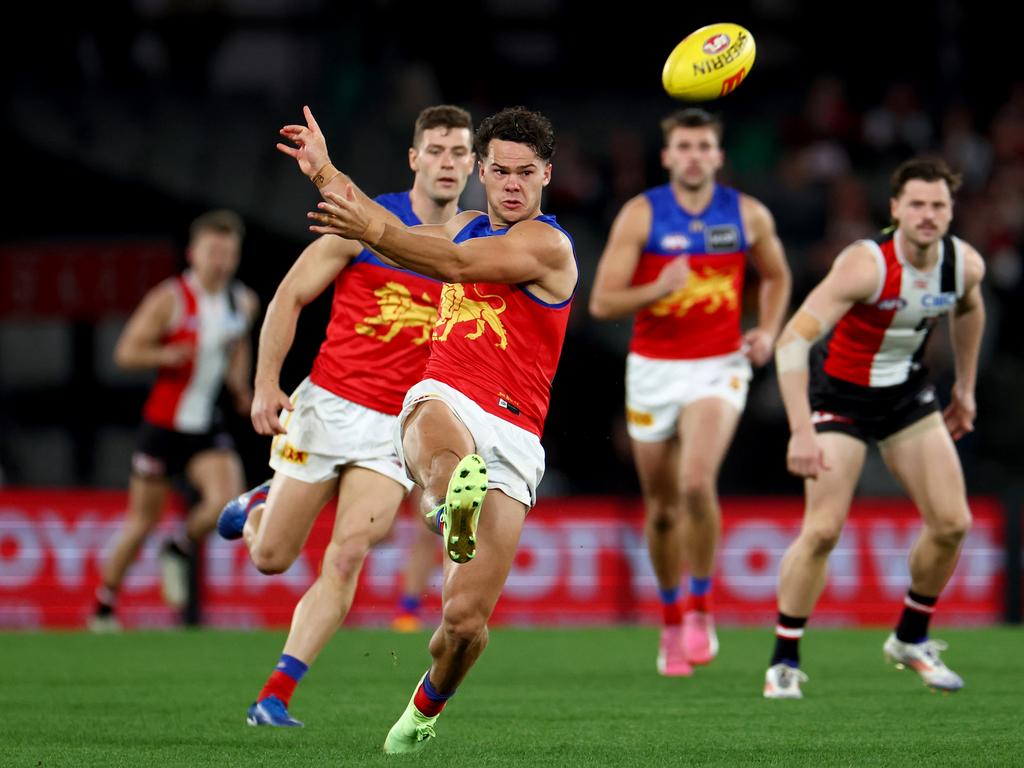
{"type": "Point", "coordinates": [537, 698]}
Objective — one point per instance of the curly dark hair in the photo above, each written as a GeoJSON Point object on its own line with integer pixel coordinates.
{"type": "Point", "coordinates": [520, 125]}
{"type": "Point", "coordinates": [925, 169]}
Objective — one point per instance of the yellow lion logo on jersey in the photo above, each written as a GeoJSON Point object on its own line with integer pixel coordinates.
{"type": "Point", "coordinates": [456, 308]}
{"type": "Point", "coordinates": [398, 310]}
{"type": "Point", "coordinates": [715, 287]}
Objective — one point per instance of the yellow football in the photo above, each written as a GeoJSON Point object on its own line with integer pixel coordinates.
{"type": "Point", "coordinates": [709, 63]}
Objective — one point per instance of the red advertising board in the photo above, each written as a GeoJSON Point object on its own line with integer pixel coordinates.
{"type": "Point", "coordinates": [581, 560]}
{"type": "Point", "coordinates": [80, 279]}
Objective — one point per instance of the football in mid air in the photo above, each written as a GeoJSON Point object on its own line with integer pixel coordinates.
{"type": "Point", "coordinates": [709, 63]}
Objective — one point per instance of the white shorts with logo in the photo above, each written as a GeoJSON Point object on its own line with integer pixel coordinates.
{"type": "Point", "coordinates": [327, 433]}
{"type": "Point", "coordinates": [514, 456]}
{"type": "Point", "coordinates": [658, 390]}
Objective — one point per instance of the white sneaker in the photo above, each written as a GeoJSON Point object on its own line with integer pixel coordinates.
{"type": "Point", "coordinates": [782, 681]}
{"type": "Point", "coordinates": [924, 659]}
{"type": "Point", "coordinates": [104, 625]}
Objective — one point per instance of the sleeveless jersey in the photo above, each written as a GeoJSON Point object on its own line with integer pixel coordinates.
{"type": "Point", "coordinates": [879, 342]}
{"type": "Point", "coordinates": [378, 336]}
{"type": "Point", "coordinates": [499, 344]}
{"type": "Point", "coordinates": [701, 319]}
{"type": "Point", "coordinates": [182, 398]}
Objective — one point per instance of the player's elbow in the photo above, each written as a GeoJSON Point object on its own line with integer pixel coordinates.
{"type": "Point", "coordinates": [125, 357]}
{"type": "Point", "coordinates": [455, 268]}
{"type": "Point", "coordinates": [599, 309]}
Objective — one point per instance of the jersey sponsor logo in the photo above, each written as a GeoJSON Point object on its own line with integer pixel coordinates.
{"type": "Point", "coordinates": [894, 304]}
{"type": "Point", "coordinates": [398, 309]}
{"type": "Point", "coordinates": [722, 238]}
{"type": "Point", "coordinates": [715, 288]}
{"type": "Point", "coordinates": [639, 418]}
{"type": "Point", "coordinates": [938, 300]}
{"type": "Point", "coordinates": [457, 308]}
{"type": "Point", "coordinates": [675, 242]}
{"type": "Point", "coordinates": [290, 453]}
{"type": "Point", "coordinates": [503, 403]}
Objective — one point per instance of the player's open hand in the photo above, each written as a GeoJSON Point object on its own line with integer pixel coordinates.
{"type": "Point", "coordinates": [805, 456]}
{"type": "Point", "coordinates": [310, 150]}
{"type": "Point", "coordinates": [344, 216]}
{"type": "Point", "coordinates": [959, 414]}
{"type": "Point", "coordinates": [267, 402]}
{"type": "Point", "coordinates": [757, 346]}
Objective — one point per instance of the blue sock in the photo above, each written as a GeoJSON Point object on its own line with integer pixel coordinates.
{"type": "Point", "coordinates": [669, 596]}
{"type": "Point", "coordinates": [292, 667]}
{"type": "Point", "coordinates": [432, 694]}
{"type": "Point", "coordinates": [409, 603]}
{"type": "Point", "coordinates": [699, 587]}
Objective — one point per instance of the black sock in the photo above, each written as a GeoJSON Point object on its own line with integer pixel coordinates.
{"type": "Point", "coordinates": [788, 631]}
{"type": "Point", "coordinates": [106, 601]}
{"type": "Point", "coordinates": [917, 612]}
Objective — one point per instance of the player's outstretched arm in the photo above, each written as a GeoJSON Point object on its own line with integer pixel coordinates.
{"type": "Point", "coordinates": [310, 153]}
{"type": "Point", "coordinates": [967, 326]}
{"type": "Point", "coordinates": [531, 251]}
{"type": "Point", "coordinates": [318, 265]}
{"type": "Point", "coordinates": [775, 280]}
{"type": "Point", "coordinates": [613, 295]}
{"type": "Point", "coordinates": [854, 277]}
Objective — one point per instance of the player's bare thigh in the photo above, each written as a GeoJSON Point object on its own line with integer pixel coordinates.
{"type": "Point", "coordinates": [706, 427]}
{"type": "Point", "coordinates": [924, 460]}
{"type": "Point", "coordinates": [828, 497]}
{"type": "Point", "coordinates": [367, 505]}
{"type": "Point", "coordinates": [217, 475]}
{"type": "Point", "coordinates": [287, 518]}
{"type": "Point", "coordinates": [432, 427]}
{"type": "Point", "coordinates": [658, 468]}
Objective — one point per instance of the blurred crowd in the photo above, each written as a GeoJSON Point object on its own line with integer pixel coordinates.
{"type": "Point", "coordinates": [173, 107]}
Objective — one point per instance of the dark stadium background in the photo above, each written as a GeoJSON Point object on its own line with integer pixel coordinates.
{"type": "Point", "coordinates": [124, 120]}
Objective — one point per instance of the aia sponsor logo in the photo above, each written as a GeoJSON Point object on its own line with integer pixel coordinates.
{"type": "Point", "coordinates": [716, 44]}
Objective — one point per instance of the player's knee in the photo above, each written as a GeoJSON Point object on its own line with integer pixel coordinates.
{"type": "Point", "coordinates": [821, 539]}
{"type": "Point", "coordinates": [344, 561]}
{"type": "Point", "coordinates": [950, 529]}
{"type": "Point", "coordinates": [463, 619]}
{"type": "Point", "coordinates": [662, 517]}
{"type": "Point", "coordinates": [270, 559]}
{"type": "Point", "coordinates": [699, 492]}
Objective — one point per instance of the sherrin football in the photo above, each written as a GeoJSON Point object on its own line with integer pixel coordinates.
{"type": "Point", "coordinates": [709, 63]}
